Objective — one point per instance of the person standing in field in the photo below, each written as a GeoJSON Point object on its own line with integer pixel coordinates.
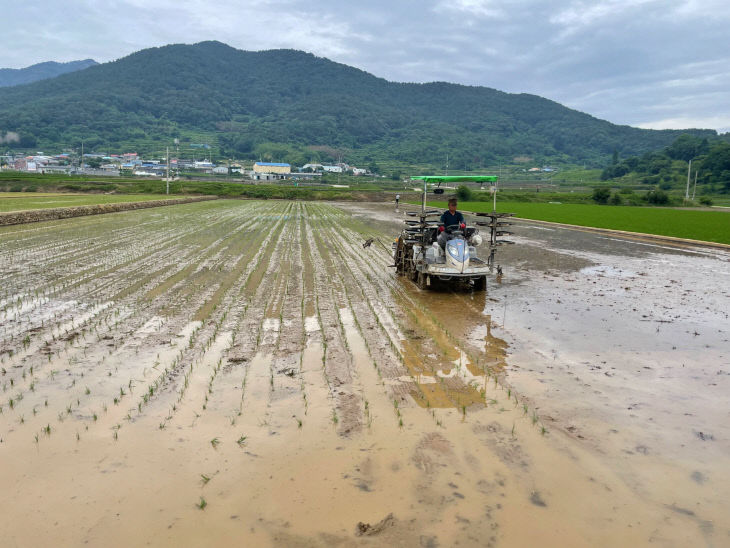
{"type": "Point", "coordinates": [397, 200]}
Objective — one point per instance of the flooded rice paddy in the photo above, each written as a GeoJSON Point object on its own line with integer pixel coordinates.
{"type": "Point", "coordinates": [247, 373]}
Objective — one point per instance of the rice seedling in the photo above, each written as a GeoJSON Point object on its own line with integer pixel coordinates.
{"type": "Point", "coordinates": [214, 442]}
{"type": "Point", "coordinates": [241, 441]}
{"type": "Point", "coordinates": [202, 504]}
{"type": "Point", "coordinates": [205, 479]}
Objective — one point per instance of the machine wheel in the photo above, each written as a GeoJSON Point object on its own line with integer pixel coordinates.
{"type": "Point", "coordinates": [421, 281]}
{"type": "Point", "coordinates": [398, 258]}
{"type": "Point", "coordinates": [480, 284]}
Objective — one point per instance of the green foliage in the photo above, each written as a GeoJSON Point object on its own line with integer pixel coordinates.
{"type": "Point", "coordinates": [601, 195]}
{"type": "Point", "coordinates": [657, 197]}
{"type": "Point", "coordinates": [464, 193]}
{"type": "Point", "coordinates": [715, 170]}
{"type": "Point", "coordinates": [669, 167]}
{"type": "Point", "coordinates": [248, 105]}
{"type": "Point", "coordinates": [686, 147]}
{"type": "Point", "coordinates": [615, 199]}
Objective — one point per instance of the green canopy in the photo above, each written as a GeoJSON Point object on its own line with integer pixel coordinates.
{"type": "Point", "coordinates": [456, 178]}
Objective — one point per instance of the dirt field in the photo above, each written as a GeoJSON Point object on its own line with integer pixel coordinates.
{"type": "Point", "coordinates": [246, 373]}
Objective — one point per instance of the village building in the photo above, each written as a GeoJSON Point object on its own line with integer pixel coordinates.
{"type": "Point", "coordinates": [271, 167]}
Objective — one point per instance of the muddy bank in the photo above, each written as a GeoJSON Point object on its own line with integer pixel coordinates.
{"type": "Point", "coordinates": [233, 372]}
{"type": "Point", "coordinates": [38, 215]}
{"type": "Point", "coordinates": [619, 342]}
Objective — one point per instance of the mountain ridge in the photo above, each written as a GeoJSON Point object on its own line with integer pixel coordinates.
{"type": "Point", "coordinates": [41, 71]}
{"type": "Point", "coordinates": [286, 104]}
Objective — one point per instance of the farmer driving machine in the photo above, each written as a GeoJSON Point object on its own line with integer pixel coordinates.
{"type": "Point", "coordinates": [423, 256]}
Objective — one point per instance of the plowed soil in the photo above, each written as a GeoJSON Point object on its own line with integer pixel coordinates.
{"type": "Point", "coordinates": [237, 373]}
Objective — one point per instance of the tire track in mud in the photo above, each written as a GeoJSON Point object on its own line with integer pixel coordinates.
{"type": "Point", "coordinates": [219, 304]}
{"type": "Point", "coordinates": [337, 361]}
{"type": "Point", "coordinates": [465, 367]}
{"type": "Point", "coordinates": [357, 321]}
{"type": "Point", "coordinates": [266, 253]}
{"type": "Point", "coordinates": [414, 351]}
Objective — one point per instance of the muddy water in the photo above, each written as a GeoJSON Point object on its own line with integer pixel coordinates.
{"type": "Point", "coordinates": [248, 373]}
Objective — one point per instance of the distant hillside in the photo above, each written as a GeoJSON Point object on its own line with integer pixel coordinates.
{"type": "Point", "coordinates": [41, 71]}
{"type": "Point", "coordinates": [291, 106]}
{"type": "Point", "coordinates": [667, 169]}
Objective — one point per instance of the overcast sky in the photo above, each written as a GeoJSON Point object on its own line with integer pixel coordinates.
{"type": "Point", "coordinates": [647, 63]}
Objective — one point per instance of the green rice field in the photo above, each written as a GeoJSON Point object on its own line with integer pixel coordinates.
{"type": "Point", "coordinates": [707, 226]}
{"type": "Point", "coordinates": [16, 201]}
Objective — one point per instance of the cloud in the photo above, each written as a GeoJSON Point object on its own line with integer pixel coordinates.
{"type": "Point", "coordinates": [627, 61]}
{"type": "Point", "coordinates": [722, 123]}
{"type": "Point", "coordinates": [484, 9]}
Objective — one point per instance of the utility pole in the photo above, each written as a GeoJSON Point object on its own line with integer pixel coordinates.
{"type": "Point", "coordinates": [689, 170]}
{"type": "Point", "coordinates": [167, 191]}
{"type": "Point", "coordinates": [496, 183]}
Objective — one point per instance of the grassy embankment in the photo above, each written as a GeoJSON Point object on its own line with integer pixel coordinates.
{"type": "Point", "coordinates": [15, 182]}
{"type": "Point", "coordinates": [708, 226]}
{"type": "Point", "coordinates": [16, 201]}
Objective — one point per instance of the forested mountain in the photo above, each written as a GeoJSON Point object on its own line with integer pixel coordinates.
{"type": "Point", "coordinates": [291, 106]}
{"type": "Point", "coordinates": [668, 168]}
{"type": "Point", "coordinates": [41, 71]}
